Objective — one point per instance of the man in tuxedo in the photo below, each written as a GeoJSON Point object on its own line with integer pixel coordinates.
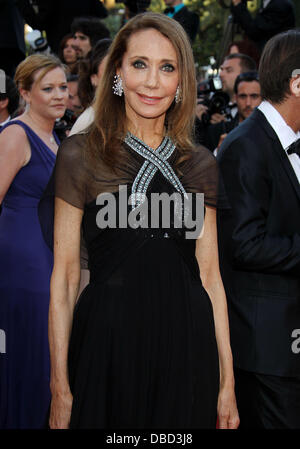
{"type": "Point", "coordinates": [187, 19]}
{"type": "Point", "coordinates": [259, 241]}
{"type": "Point", "coordinates": [55, 16]}
{"type": "Point", "coordinates": [273, 17]}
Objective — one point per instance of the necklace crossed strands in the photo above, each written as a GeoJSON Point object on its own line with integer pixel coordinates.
{"type": "Point", "coordinates": [155, 160]}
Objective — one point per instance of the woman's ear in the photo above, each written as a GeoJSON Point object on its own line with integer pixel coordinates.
{"type": "Point", "coordinates": [94, 80]}
{"type": "Point", "coordinates": [26, 95]}
{"type": "Point", "coordinates": [295, 86]}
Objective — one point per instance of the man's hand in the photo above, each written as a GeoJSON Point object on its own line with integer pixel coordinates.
{"type": "Point", "coordinates": [200, 109]}
{"type": "Point", "coordinates": [217, 118]}
{"type": "Point", "coordinates": [236, 2]}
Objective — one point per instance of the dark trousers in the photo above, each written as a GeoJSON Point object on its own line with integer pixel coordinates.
{"type": "Point", "coordinates": [267, 402]}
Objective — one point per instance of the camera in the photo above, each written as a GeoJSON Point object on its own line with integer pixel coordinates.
{"type": "Point", "coordinates": [64, 124]}
{"type": "Point", "coordinates": [210, 94]}
{"type": "Point", "coordinates": [38, 43]}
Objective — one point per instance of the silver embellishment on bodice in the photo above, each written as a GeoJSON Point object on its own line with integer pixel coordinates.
{"type": "Point", "coordinates": [155, 160]}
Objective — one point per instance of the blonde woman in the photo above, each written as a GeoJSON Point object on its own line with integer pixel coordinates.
{"type": "Point", "coordinates": [27, 156]}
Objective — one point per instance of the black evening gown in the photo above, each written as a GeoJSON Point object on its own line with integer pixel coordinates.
{"type": "Point", "coordinates": [142, 351]}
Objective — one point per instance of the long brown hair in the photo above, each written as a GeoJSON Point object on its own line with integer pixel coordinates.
{"type": "Point", "coordinates": [109, 127]}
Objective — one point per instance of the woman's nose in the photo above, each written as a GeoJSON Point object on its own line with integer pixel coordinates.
{"type": "Point", "coordinates": [152, 79]}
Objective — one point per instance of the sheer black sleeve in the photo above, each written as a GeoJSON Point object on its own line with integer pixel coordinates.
{"type": "Point", "coordinates": [70, 174]}
{"type": "Point", "coordinates": [200, 174]}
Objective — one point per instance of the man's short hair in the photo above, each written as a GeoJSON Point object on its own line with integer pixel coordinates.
{"type": "Point", "coordinates": [248, 77]}
{"type": "Point", "coordinates": [91, 27]}
{"type": "Point", "coordinates": [280, 58]}
{"type": "Point", "coordinates": [12, 93]}
{"type": "Point", "coordinates": [247, 64]}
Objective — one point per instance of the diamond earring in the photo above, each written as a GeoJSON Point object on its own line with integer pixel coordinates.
{"type": "Point", "coordinates": [117, 86]}
{"type": "Point", "coordinates": [177, 95]}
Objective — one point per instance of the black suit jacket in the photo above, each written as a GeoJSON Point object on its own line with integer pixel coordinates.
{"type": "Point", "coordinates": [56, 16]}
{"type": "Point", "coordinates": [259, 244]}
{"type": "Point", "coordinates": [278, 16]}
{"type": "Point", "coordinates": [189, 21]}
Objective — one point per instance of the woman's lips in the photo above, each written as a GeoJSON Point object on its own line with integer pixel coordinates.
{"type": "Point", "coordinates": [149, 100]}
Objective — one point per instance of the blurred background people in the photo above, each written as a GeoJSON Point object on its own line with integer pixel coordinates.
{"type": "Point", "coordinates": [218, 105]}
{"type": "Point", "coordinates": [232, 66]}
{"type": "Point", "coordinates": [247, 97]}
{"type": "Point", "coordinates": [55, 16]}
{"type": "Point", "coordinates": [246, 47]}
{"type": "Point", "coordinates": [9, 101]}
{"type": "Point", "coordinates": [68, 53]}
{"type": "Point", "coordinates": [86, 32]}
{"type": "Point", "coordinates": [27, 156]}
{"type": "Point", "coordinates": [273, 17]}
{"type": "Point", "coordinates": [189, 20]}
{"type": "Point", "coordinates": [12, 43]}
{"type": "Point", "coordinates": [74, 103]}
{"type": "Point", "coordinates": [90, 74]}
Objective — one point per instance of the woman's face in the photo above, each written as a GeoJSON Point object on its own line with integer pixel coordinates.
{"type": "Point", "coordinates": [48, 97]}
{"type": "Point", "coordinates": [150, 75]}
{"type": "Point", "coordinates": [69, 51]}
{"type": "Point", "coordinates": [96, 77]}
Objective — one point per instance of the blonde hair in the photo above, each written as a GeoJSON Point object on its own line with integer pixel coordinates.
{"type": "Point", "coordinates": [109, 127]}
{"type": "Point", "coordinates": [27, 69]}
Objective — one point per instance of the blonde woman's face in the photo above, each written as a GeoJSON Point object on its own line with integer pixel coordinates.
{"type": "Point", "coordinates": [48, 97]}
{"type": "Point", "coordinates": [150, 75]}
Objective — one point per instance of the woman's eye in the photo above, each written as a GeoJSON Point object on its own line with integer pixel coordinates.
{"type": "Point", "coordinates": [47, 89]}
{"type": "Point", "coordinates": [64, 88]}
{"type": "Point", "coordinates": [168, 68]}
{"type": "Point", "coordinates": [139, 64]}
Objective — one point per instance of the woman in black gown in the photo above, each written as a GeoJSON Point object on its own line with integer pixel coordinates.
{"type": "Point", "coordinates": [147, 343]}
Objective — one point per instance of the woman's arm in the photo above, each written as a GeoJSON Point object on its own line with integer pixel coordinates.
{"type": "Point", "coordinates": [14, 154]}
{"type": "Point", "coordinates": [208, 260]}
{"type": "Point", "coordinates": [63, 294]}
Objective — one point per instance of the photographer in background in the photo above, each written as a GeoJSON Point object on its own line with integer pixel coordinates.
{"type": "Point", "coordinates": [273, 17]}
{"type": "Point", "coordinates": [232, 66]}
{"type": "Point", "coordinates": [213, 110]}
{"type": "Point", "coordinates": [247, 95]}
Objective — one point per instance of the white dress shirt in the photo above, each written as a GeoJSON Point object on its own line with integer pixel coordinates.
{"type": "Point", "coordinates": [284, 132]}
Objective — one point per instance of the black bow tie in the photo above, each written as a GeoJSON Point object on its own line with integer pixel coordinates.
{"type": "Point", "coordinates": [294, 148]}
{"type": "Point", "coordinates": [171, 9]}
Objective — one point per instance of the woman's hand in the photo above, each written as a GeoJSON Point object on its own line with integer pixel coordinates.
{"type": "Point", "coordinates": [60, 412]}
{"type": "Point", "coordinates": [227, 409]}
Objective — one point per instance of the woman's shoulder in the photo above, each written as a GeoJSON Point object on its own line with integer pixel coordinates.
{"type": "Point", "coordinates": [199, 158]}
{"type": "Point", "coordinates": [13, 134]}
